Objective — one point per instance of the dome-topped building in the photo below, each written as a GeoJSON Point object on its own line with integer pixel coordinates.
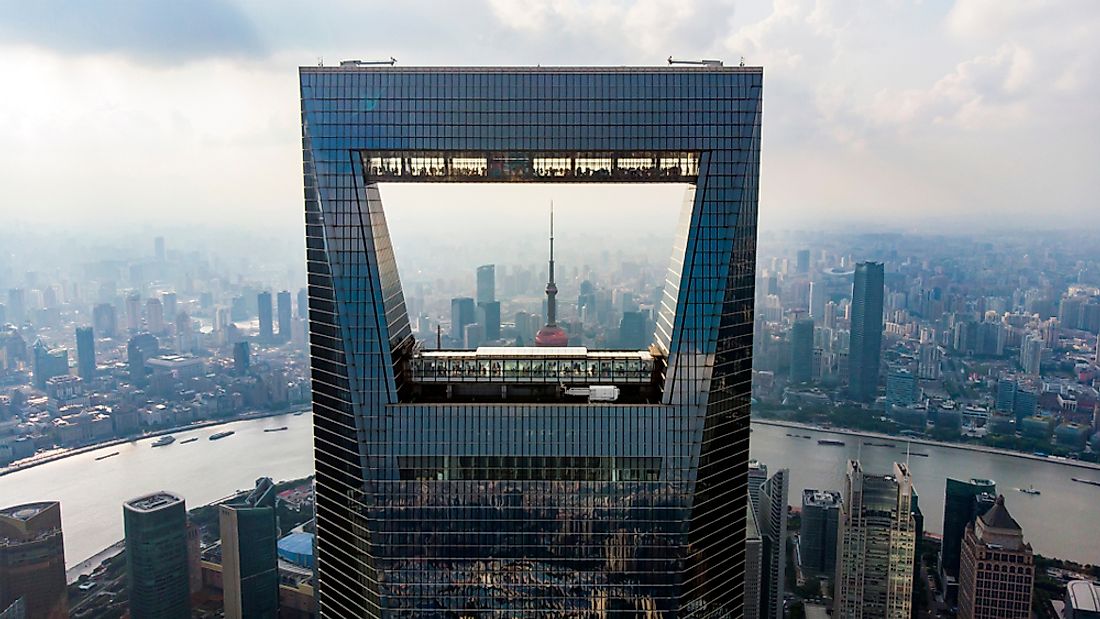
{"type": "Point", "coordinates": [551, 334]}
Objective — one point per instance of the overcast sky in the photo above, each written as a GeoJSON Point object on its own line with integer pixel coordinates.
{"type": "Point", "coordinates": [904, 114]}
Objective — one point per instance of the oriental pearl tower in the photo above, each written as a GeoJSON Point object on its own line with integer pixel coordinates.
{"type": "Point", "coordinates": [551, 334]}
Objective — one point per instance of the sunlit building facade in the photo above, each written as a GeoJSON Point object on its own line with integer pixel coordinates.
{"type": "Point", "coordinates": [530, 482]}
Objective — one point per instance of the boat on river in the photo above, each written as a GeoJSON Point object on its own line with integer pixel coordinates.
{"type": "Point", "coordinates": [115, 453]}
{"type": "Point", "coordinates": [218, 435]}
{"type": "Point", "coordinates": [164, 440]}
{"type": "Point", "coordinates": [279, 429]}
{"type": "Point", "coordinates": [1032, 490]}
{"type": "Point", "coordinates": [189, 440]}
{"type": "Point", "coordinates": [830, 441]}
{"type": "Point", "coordinates": [1091, 482]}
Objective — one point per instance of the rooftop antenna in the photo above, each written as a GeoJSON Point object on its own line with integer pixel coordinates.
{"type": "Point", "coordinates": [439, 337]}
{"type": "Point", "coordinates": [907, 445]}
{"type": "Point", "coordinates": [742, 61]}
{"type": "Point", "coordinates": [702, 63]}
{"type": "Point", "coordinates": [320, 61]}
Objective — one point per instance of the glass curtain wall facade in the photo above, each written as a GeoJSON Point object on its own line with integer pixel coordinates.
{"type": "Point", "coordinates": [563, 509]}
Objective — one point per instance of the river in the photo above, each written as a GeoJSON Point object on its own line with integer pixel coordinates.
{"type": "Point", "coordinates": [91, 492]}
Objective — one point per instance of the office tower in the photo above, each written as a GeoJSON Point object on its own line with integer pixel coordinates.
{"type": "Point", "coordinates": [1006, 395]}
{"type": "Point", "coordinates": [1082, 600]}
{"type": "Point", "coordinates": [133, 312]}
{"type": "Point", "coordinates": [1025, 405]}
{"type": "Point", "coordinates": [285, 315]}
{"type": "Point", "coordinates": [241, 361]}
{"type": "Point", "coordinates": [551, 334]}
{"type": "Point", "coordinates": [771, 517]}
{"type": "Point", "coordinates": [802, 261]}
{"type": "Point", "coordinates": [85, 352]}
{"type": "Point", "coordinates": [997, 569]}
{"type": "Point", "coordinates": [158, 248]}
{"type": "Point", "coordinates": [632, 331]}
{"type": "Point", "coordinates": [105, 320]}
{"type": "Point", "coordinates": [17, 306]}
{"type": "Point", "coordinates": [303, 303]}
{"type": "Point", "coordinates": [488, 316]}
{"type": "Point", "coordinates": [961, 505]}
{"type": "Point", "coordinates": [462, 314]}
{"type": "Point", "coordinates": [865, 349]}
{"type": "Point", "coordinates": [250, 563]}
{"type": "Point", "coordinates": [901, 388]}
{"type": "Point", "coordinates": [758, 474]}
{"type": "Point", "coordinates": [754, 564]}
{"type": "Point", "coordinates": [16, 610]}
{"type": "Point", "coordinates": [156, 556]}
{"type": "Point", "coordinates": [820, 516]}
{"type": "Point", "coordinates": [486, 283]}
{"type": "Point", "coordinates": [437, 470]}
{"type": "Point", "coordinates": [263, 305]}
{"type": "Point", "coordinates": [472, 336]}
{"type": "Point", "coordinates": [3, 314]}
{"type": "Point", "coordinates": [138, 350]}
{"type": "Point", "coordinates": [32, 560]}
{"type": "Point", "coordinates": [48, 362]}
{"type": "Point", "coordinates": [875, 546]}
{"type": "Point", "coordinates": [802, 350]}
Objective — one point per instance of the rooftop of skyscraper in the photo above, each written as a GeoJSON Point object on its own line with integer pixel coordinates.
{"type": "Point", "coordinates": [153, 502]}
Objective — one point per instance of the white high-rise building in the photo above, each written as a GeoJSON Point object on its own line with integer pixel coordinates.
{"type": "Point", "coordinates": [876, 539]}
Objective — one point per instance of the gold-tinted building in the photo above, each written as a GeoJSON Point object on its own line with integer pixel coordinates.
{"type": "Point", "coordinates": [32, 559]}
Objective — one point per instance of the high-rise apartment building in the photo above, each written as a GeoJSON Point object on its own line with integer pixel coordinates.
{"type": "Point", "coordinates": [241, 358]}
{"type": "Point", "coordinates": [170, 301]}
{"type": "Point", "coordinates": [156, 556]}
{"type": "Point", "coordinates": [303, 303]}
{"type": "Point", "coordinates": [865, 349]}
{"type": "Point", "coordinates": [264, 309]}
{"type": "Point", "coordinates": [875, 546]}
{"type": "Point", "coordinates": [963, 501]}
{"type": "Point", "coordinates": [286, 314]}
{"type": "Point", "coordinates": [32, 560]}
{"type": "Point", "coordinates": [901, 388]}
{"type": "Point", "coordinates": [17, 306]}
{"type": "Point", "coordinates": [818, 534]}
{"type": "Point", "coordinates": [457, 483]}
{"type": "Point", "coordinates": [154, 316]}
{"type": "Point", "coordinates": [997, 570]}
{"type": "Point", "coordinates": [85, 352]}
{"type": "Point", "coordinates": [133, 312]}
{"type": "Point", "coordinates": [158, 248]}
{"type": "Point", "coordinates": [802, 261]}
{"type": "Point", "coordinates": [1031, 354]}
{"type": "Point", "coordinates": [771, 518]}
{"type": "Point", "coordinates": [250, 562]}
{"type": "Point", "coordinates": [802, 351]}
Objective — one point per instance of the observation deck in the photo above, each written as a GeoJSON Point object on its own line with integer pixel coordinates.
{"type": "Point", "coordinates": [536, 167]}
{"type": "Point", "coordinates": [517, 374]}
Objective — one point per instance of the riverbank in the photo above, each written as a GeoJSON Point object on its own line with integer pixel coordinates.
{"type": "Point", "coordinates": [925, 441]}
{"type": "Point", "coordinates": [53, 456]}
